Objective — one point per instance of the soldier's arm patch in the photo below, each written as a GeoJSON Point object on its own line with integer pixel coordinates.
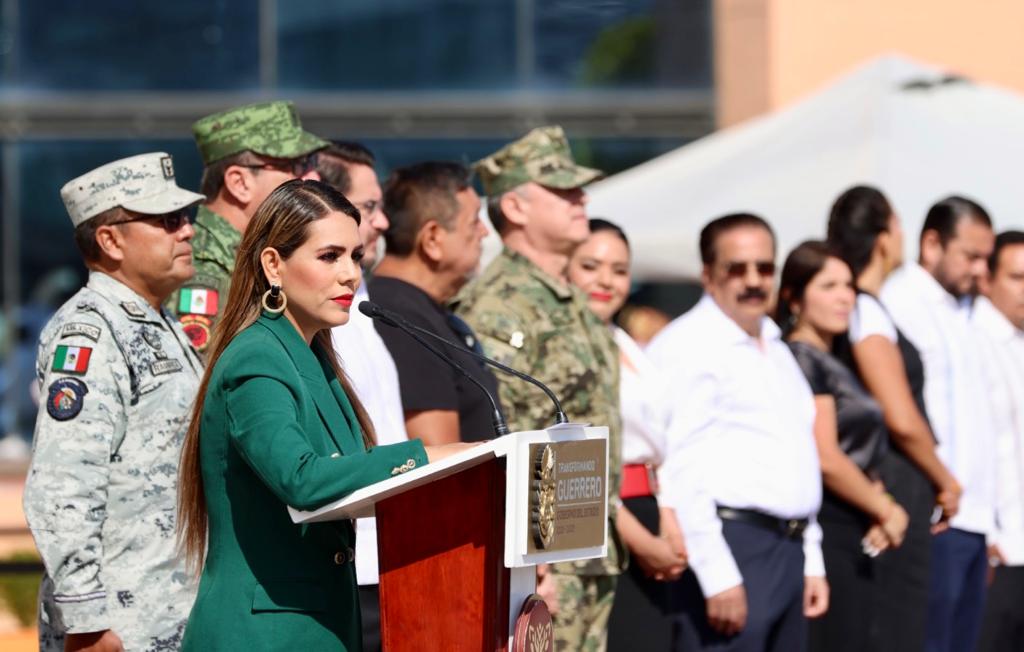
{"type": "Point", "coordinates": [65, 398]}
{"type": "Point", "coordinates": [79, 328]}
{"type": "Point", "coordinates": [71, 359]}
{"type": "Point", "coordinates": [198, 300]}
{"type": "Point", "coordinates": [197, 327]}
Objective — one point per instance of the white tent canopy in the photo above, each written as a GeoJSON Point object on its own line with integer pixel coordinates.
{"type": "Point", "coordinates": [909, 129]}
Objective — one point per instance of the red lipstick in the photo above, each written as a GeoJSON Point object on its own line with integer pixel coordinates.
{"type": "Point", "coordinates": [601, 296]}
{"type": "Point", "coordinates": [343, 300]}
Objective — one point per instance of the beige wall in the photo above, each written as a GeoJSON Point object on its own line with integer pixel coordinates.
{"type": "Point", "coordinates": [770, 52]}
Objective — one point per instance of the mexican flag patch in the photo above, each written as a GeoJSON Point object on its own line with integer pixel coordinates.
{"type": "Point", "coordinates": [197, 301]}
{"type": "Point", "coordinates": [72, 359]}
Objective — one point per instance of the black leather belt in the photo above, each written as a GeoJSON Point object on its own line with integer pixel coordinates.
{"type": "Point", "coordinates": [792, 528]}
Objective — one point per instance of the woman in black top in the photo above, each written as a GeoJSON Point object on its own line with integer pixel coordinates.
{"type": "Point", "coordinates": [866, 232]}
{"type": "Point", "coordinates": [858, 518]}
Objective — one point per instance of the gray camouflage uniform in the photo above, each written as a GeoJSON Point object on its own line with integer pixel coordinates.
{"type": "Point", "coordinates": [101, 491]}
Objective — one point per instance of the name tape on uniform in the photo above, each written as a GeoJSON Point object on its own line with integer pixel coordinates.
{"type": "Point", "coordinates": [78, 328]}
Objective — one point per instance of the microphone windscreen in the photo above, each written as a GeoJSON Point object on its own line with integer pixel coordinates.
{"type": "Point", "coordinates": [367, 308]}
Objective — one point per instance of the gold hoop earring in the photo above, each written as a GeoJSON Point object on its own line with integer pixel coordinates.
{"type": "Point", "coordinates": [275, 292]}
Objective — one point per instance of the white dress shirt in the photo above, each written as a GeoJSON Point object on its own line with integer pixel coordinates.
{"type": "Point", "coordinates": [740, 434]}
{"type": "Point", "coordinates": [369, 366]}
{"type": "Point", "coordinates": [643, 421]}
{"type": "Point", "coordinates": [1002, 346]}
{"type": "Point", "coordinates": [954, 387]}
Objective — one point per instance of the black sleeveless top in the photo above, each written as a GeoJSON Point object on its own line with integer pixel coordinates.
{"type": "Point", "coordinates": [863, 436]}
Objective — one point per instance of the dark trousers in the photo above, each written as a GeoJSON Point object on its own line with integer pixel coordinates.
{"type": "Point", "coordinates": [369, 605]}
{"type": "Point", "coordinates": [772, 567]}
{"type": "Point", "coordinates": [852, 580]}
{"type": "Point", "coordinates": [956, 600]}
{"type": "Point", "coordinates": [905, 573]}
{"type": "Point", "coordinates": [1002, 628]}
{"type": "Point", "coordinates": [640, 618]}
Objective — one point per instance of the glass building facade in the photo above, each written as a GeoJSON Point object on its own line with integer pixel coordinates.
{"type": "Point", "coordinates": [82, 84]}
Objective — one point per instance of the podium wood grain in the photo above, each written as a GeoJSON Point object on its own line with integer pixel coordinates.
{"type": "Point", "coordinates": [443, 583]}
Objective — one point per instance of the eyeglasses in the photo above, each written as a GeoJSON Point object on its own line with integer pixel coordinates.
{"type": "Point", "coordinates": [170, 221]}
{"type": "Point", "coordinates": [764, 268]}
{"type": "Point", "coordinates": [297, 167]}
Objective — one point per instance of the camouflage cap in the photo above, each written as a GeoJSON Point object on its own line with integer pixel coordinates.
{"type": "Point", "coordinates": [143, 184]}
{"type": "Point", "coordinates": [270, 129]}
{"type": "Point", "coordinates": [543, 156]}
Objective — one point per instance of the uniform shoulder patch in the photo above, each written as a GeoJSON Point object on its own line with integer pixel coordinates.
{"type": "Point", "coordinates": [65, 398]}
{"type": "Point", "coordinates": [197, 300]}
{"type": "Point", "coordinates": [78, 328]}
{"type": "Point", "coordinates": [197, 327]}
{"type": "Point", "coordinates": [71, 359]}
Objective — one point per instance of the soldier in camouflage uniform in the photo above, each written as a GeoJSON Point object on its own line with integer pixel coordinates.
{"type": "Point", "coordinates": [528, 316]}
{"type": "Point", "coordinates": [117, 379]}
{"type": "Point", "coordinates": [247, 152]}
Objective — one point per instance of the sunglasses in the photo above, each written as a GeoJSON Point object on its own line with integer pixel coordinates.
{"type": "Point", "coordinates": [170, 221]}
{"type": "Point", "coordinates": [764, 268]}
{"type": "Point", "coordinates": [297, 167]}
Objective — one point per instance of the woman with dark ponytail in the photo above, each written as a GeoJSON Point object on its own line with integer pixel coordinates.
{"type": "Point", "coordinates": [866, 232]}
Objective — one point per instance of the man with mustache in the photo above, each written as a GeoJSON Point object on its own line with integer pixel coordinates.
{"type": "Point", "coordinates": [117, 378]}
{"type": "Point", "coordinates": [931, 302]}
{"type": "Point", "coordinates": [741, 469]}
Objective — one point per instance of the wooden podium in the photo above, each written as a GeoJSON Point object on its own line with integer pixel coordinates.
{"type": "Point", "coordinates": [458, 540]}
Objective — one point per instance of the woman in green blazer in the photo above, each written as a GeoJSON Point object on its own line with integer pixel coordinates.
{"type": "Point", "coordinates": [276, 424]}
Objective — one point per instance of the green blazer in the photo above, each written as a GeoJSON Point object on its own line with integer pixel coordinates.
{"type": "Point", "coordinates": [278, 430]}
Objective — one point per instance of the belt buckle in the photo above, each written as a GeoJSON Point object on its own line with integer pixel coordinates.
{"type": "Point", "coordinates": [652, 478]}
{"type": "Point", "coordinates": [793, 528]}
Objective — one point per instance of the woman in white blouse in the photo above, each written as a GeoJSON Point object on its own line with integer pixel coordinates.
{"type": "Point", "coordinates": [867, 234]}
{"type": "Point", "coordinates": [640, 615]}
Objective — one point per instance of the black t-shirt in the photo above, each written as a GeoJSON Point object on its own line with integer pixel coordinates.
{"type": "Point", "coordinates": [425, 381]}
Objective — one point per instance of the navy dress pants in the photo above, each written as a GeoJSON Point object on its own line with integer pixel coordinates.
{"type": "Point", "coordinates": [956, 599]}
{"type": "Point", "coordinates": [772, 567]}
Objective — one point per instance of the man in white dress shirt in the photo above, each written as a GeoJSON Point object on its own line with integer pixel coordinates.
{"type": "Point", "coordinates": [931, 303]}
{"type": "Point", "coordinates": [364, 357]}
{"type": "Point", "coordinates": [999, 320]}
{"type": "Point", "coordinates": [741, 466]}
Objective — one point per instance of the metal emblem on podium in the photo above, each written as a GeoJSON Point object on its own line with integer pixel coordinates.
{"type": "Point", "coordinates": [542, 512]}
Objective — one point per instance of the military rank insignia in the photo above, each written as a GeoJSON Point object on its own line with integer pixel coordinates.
{"type": "Point", "coordinates": [65, 397]}
{"type": "Point", "coordinates": [71, 359]}
{"type": "Point", "coordinates": [197, 327]}
{"type": "Point", "coordinates": [197, 301]}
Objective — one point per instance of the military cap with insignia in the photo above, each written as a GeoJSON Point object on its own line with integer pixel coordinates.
{"type": "Point", "coordinates": [141, 184]}
{"type": "Point", "coordinates": [269, 129]}
{"type": "Point", "coordinates": [542, 156]}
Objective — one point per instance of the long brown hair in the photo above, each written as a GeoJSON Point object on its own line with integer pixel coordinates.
{"type": "Point", "coordinates": [281, 222]}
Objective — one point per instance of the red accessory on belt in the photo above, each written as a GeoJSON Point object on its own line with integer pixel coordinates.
{"type": "Point", "coordinates": [638, 480]}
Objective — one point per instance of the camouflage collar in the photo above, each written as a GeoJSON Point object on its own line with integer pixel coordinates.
{"type": "Point", "coordinates": [219, 228]}
{"type": "Point", "coordinates": [561, 290]}
{"type": "Point", "coordinates": [124, 298]}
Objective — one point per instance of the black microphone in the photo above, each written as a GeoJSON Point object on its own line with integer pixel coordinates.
{"type": "Point", "coordinates": [374, 311]}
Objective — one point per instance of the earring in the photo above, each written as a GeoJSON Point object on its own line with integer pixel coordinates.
{"type": "Point", "coordinates": [277, 294]}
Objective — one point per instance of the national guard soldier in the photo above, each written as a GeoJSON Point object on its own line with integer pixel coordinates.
{"type": "Point", "coordinates": [528, 316]}
{"type": "Point", "coordinates": [248, 151]}
{"type": "Point", "coordinates": [117, 380]}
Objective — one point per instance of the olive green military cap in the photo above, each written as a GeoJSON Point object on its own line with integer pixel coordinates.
{"type": "Point", "coordinates": [542, 156]}
{"type": "Point", "coordinates": [270, 129]}
{"type": "Point", "coordinates": [142, 184]}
